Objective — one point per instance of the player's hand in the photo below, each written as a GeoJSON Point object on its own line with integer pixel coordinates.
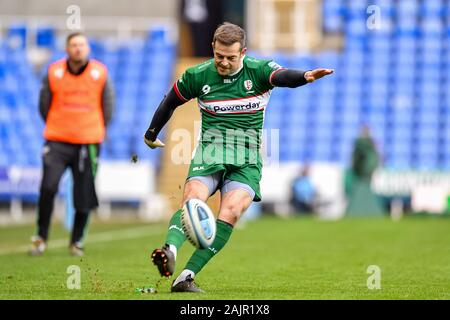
{"type": "Point", "coordinates": [313, 75]}
{"type": "Point", "coordinates": [154, 144]}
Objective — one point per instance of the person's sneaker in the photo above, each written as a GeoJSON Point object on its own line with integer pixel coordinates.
{"type": "Point", "coordinates": [187, 285]}
{"type": "Point", "coordinates": [164, 259]}
{"type": "Point", "coordinates": [38, 246]}
{"type": "Point", "coordinates": [76, 249]}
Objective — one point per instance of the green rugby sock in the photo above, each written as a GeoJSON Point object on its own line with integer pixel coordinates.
{"type": "Point", "coordinates": [201, 256]}
{"type": "Point", "coordinates": [175, 235]}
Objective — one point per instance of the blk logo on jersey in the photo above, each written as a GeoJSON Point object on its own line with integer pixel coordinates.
{"type": "Point", "coordinates": [274, 65]}
{"type": "Point", "coordinates": [248, 84]}
{"type": "Point", "coordinates": [59, 73]}
{"type": "Point", "coordinates": [95, 74]}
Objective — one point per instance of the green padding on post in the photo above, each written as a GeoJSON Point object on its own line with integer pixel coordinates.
{"type": "Point", "coordinates": [362, 201]}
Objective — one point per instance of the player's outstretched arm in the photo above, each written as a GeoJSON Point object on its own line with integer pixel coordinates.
{"type": "Point", "coordinates": [295, 78]}
{"type": "Point", "coordinates": [316, 74]}
{"type": "Point", "coordinates": [162, 115]}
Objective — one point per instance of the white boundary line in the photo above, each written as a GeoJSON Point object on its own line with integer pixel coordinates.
{"type": "Point", "coordinates": [106, 236]}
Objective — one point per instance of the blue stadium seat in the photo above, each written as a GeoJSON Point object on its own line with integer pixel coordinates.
{"type": "Point", "coordinates": [408, 8]}
{"type": "Point", "coordinates": [332, 23]}
{"type": "Point", "coordinates": [295, 117]}
{"type": "Point", "coordinates": [351, 101]}
{"type": "Point", "coordinates": [386, 89]}
{"type": "Point", "coordinates": [427, 160]}
{"type": "Point", "coordinates": [291, 155]}
{"type": "Point", "coordinates": [432, 8]}
{"type": "Point", "coordinates": [388, 7]}
{"type": "Point", "coordinates": [332, 15]}
{"type": "Point", "coordinates": [292, 132]}
{"type": "Point", "coordinates": [379, 44]}
{"type": "Point", "coordinates": [326, 91]}
{"type": "Point", "coordinates": [376, 115]}
{"type": "Point", "coordinates": [355, 59]}
{"type": "Point", "coordinates": [407, 27]}
{"type": "Point", "coordinates": [355, 44]}
{"type": "Point", "coordinates": [322, 150]}
{"type": "Point", "coordinates": [324, 117]}
{"type": "Point", "coordinates": [349, 130]}
{"type": "Point", "coordinates": [324, 136]}
{"type": "Point", "coordinates": [45, 37]}
{"type": "Point", "coordinates": [405, 58]}
{"type": "Point", "coordinates": [327, 59]}
{"type": "Point", "coordinates": [273, 121]}
{"type": "Point", "coordinates": [430, 58]}
{"type": "Point", "coordinates": [398, 161]}
{"type": "Point", "coordinates": [428, 132]}
{"type": "Point", "coordinates": [355, 14]}
{"type": "Point", "coordinates": [300, 99]}
{"type": "Point", "coordinates": [399, 133]}
{"type": "Point", "coordinates": [402, 147]}
{"type": "Point", "coordinates": [405, 43]}
{"type": "Point", "coordinates": [17, 36]}
{"type": "Point", "coordinates": [430, 87]}
{"type": "Point", "coordinates": [433, 27]}
{"type": "Point", "coordinates": [298, 62]}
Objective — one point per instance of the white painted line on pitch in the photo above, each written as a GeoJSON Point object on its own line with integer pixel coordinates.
{"type": "Point", "coordinates": [106, 236]}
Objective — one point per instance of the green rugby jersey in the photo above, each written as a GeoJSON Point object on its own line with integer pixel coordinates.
{"type": "Point", "coordinates": [236, 102]}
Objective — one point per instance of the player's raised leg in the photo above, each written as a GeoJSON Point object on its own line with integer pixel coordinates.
{"type": "Point", "coordinates": [164, 258]}
{"type": "Point", "coordinates": [233, 205]}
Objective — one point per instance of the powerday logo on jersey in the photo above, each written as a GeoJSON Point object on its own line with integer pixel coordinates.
{"type": "Point", "coordinates": [239, 105]}
{"type": "Point", "coordinates": [248, 84]}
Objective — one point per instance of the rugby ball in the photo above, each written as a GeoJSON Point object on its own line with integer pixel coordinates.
{"type": "Point", "coordinates": [199, 224]}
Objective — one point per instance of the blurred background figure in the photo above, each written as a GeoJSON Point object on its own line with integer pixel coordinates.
{"type": "Point", "coordinates": [199, 19]}
{"type": "Point", "coordinates": [76, 103]}
{"type": "Point", "coordinates": [202, 17]}
{"type": "Point", "coordinates": [365, 160]}
{"type": "Point", "coordinates": [303, 198]}
{"type": "Point", "coordinates": [365, 157]}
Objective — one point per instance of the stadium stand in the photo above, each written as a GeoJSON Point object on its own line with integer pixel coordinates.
{"type": "Point", "coordinates": [141, 70]}
{"type": "Point", "coordinates": [395, 78]}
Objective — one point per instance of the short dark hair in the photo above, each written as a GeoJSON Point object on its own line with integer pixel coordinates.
{"type": "Point", "coordinates": [229, 33]}
{"type": "Point", "coordinates": [73, 35]}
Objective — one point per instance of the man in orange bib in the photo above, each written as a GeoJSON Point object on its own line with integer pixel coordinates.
{"type": "Point", "coordinates": [76, 103]}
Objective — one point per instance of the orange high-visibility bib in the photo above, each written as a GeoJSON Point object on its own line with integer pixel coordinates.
{"type": "Point", "coordinates": [76, 114]}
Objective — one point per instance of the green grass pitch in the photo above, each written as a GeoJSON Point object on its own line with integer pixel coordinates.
{"type": "Point", "coordinates": [271, 258]}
